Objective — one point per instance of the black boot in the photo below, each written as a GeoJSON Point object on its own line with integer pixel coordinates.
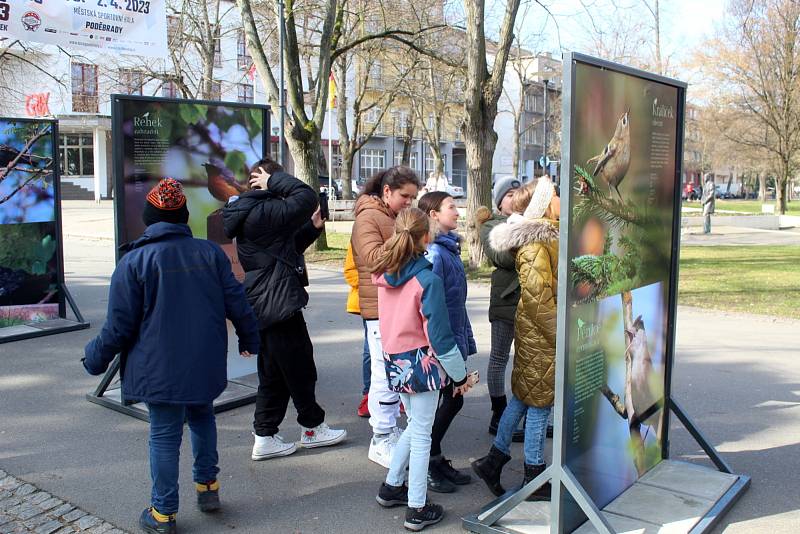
{"type": "Point", "coordinates": [489, 469]}
{"type": "Point", "coordinates": [498, 405]}
{"type": "Point", "coordinates": [446, 469]}
{"type": "Point", "coordinates": [531, 472]}
{"type": "Point", "coordinates": [437, 481]}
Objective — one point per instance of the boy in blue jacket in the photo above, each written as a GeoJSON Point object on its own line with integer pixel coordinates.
{"type": "Point", "coordinates": [169, 298]}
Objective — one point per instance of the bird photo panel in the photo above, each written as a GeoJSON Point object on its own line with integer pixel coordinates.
{"type": "Point", "coordinates": [207, 147]}
{"type": "Point", "coordinates": [29, 269]}
{"type": "Point", "coordinates": [624, 149]}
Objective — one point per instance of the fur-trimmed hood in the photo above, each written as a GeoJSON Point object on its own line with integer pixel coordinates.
{"type": "Point", "coordinates": [519, 231]}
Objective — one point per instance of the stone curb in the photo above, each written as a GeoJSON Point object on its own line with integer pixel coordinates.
{"type": "Point", "coordinates": [24, 508]}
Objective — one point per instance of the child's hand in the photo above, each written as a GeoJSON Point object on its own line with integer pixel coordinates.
{"type": "Point", "coordinates": [473, 378]}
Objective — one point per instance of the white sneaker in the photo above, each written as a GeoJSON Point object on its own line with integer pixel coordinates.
{"type": "Point", "coordinates": [271, 447]}
{"type": "Point", "coordinates": [381, 449]}
{"type": "Point", "coordinates": [321, 436]}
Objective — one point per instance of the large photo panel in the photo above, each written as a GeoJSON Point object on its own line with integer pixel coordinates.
{"type": "Point", "coordinates": [625, 145]}
{"type": "Point", "coordinates": [30, 269]}
{"type": "Point", "coordinates": [207, 146]}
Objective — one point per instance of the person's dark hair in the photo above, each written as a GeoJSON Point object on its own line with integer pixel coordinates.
{"type": "Point", "coordinates": [395, 177]}
{"type": "Point", "coordinates": [269, 165]}
{"type": "Point", "coordinates": [432, 201]}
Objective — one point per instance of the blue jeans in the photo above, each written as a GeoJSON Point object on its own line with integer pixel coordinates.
{"type": "Point", "coordinates": [413, 449]}
{"type": "Point", "coordinates": [166, 431]}
{"type": "Point", "coordinates": [535, 429]}
{"type": "Point", "coordinates": [365, 365]}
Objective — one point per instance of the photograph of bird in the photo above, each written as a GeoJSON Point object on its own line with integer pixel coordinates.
{"type": "Point", "coordinates": [612, 164]}
{"type": "Point", "coordinates": [8, 153]}
{"type": "Point", "coordinates": [222, 183]}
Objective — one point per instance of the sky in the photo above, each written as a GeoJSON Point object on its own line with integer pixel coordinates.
{"type": "Point", "coordinates": [684, 25]}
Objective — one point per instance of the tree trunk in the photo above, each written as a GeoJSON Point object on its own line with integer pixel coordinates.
{"type": "Point", "coordinates": [762, 186]}
{"type": "Point", "coordinates": [780, 188]}
{"type": "Point", "coordinates": [347, 171]}
{"type": "Point", "coordinates": [305, 154]}
{"type": "Point", "coordinates": [408, 140]}
{"type": "Point", "coordinates": [480, 143]}
{"type": "Point", "coordinates": [438, 160]}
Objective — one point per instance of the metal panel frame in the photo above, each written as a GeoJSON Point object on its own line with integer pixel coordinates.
{"type": "Point", "coordinates": [64, 295]}
{"type": "Point", "coordinates": [562, 479]}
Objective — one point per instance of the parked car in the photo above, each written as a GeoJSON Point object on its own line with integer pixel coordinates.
{"type": "Point", "coordinates": [356, 187]}
{"type": "Point", "coordinates": [325, 187]}
{"type": "Point", "coordinates": [455, 191]}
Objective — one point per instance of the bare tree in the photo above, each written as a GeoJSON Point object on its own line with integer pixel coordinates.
{"type": "Point", "coordinates": [315, 31]}
{"type": "Point", "coordinates": [483, 90]}
{"type": "Point", "coordinates": [18, 62]}
{"type": "Point", "coordinates": [754, 66]}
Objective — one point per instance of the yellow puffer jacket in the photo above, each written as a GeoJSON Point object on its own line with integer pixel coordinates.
{"type": "Point", "coordinates": [351, 277]}
{"type": "Point", "coordinates": [536, 243]}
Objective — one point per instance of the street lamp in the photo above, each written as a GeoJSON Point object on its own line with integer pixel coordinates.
{"type": "Point", "coordinates": [545, 82]}
{"type": "Point", "coordinates": [282, 98]}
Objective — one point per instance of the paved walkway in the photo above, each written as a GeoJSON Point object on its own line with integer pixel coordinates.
{"type": "Point", "coordinates": [737, 375]}
{"type": "Point", "coordinates": [734, 235]}
{"type": "Point", "coordinates": [25, 508]}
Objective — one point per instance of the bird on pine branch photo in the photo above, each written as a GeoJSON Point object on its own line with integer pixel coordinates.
{"type": "Point", "coordinates": [613, 162]}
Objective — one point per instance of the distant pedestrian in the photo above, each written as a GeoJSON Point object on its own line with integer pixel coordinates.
{"type": "Point", "coordinates": [445, 255]}
{"type": "Point", "coordinates": [170, 295]}
{"type": "Point", "coordinates": [351, 276]}
{"type": "Point", "coordinates": [274, 224]}
{"type": "Point", "coordinates": [420, 357]}
{"type": "Point", "coordinates": [708, 201]}
{"type": "Point", "coordinates": [385, 195]}
{"type": "Point", "coordinates": [533, 238]}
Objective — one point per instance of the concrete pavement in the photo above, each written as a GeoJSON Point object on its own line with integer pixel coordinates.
{"type": "Point", "coordinates": [737, 375]}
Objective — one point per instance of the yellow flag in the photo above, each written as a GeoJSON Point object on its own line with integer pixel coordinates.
{"type": "Point", "coordinates": [331, 92]}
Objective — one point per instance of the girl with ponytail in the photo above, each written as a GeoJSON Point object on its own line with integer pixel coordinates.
{"type": "Point", "coordinates": [420, 356]}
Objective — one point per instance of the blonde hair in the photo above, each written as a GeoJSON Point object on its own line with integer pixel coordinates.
{"type": "Point", "coordinates": [522, 197]}
{"type": "Point", "coordinates": [410, 228]}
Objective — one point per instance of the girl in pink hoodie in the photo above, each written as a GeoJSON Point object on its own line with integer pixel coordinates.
{"type": "Point", "coordinates": [420, 356]}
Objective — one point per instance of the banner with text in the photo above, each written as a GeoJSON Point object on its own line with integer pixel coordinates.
{"type": "Point", "coordinates": [122, 26]}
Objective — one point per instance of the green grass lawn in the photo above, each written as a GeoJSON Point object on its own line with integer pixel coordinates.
{"type": "Point", "coordinates": [754, 279]}
{"type": "Point", "coordinates": [337, 250]}
{"type": "Point", "coordinates": [747, 206]}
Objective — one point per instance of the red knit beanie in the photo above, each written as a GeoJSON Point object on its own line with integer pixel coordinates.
{"type": "Point", "coordinates": [166, 203]}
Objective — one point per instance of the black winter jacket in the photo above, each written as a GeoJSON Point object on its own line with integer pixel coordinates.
{"type": "Point", "coordinates": [272, 229]}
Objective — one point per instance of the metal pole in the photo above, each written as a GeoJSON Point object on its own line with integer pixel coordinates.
{"type": "Point", "coordinates": [394, 121]}
{"type": "Point", "coordinates": [282, 39]}
{"type": "Point", "coordinates": [544, 143]}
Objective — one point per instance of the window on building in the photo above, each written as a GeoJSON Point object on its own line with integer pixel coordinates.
{"type": "Point", "coordinates": [217, 48]}
{"type": "Point", "coordinates": [372, 161]}
{"type": "Point", "coordinates": [429, 161]}
{"type": "Point", "coordinates": [77, 154]}
{"type": "Point", "coordinates": [216, 90]}
{"type": "Point", "coordinates": [131, 81]}
{"type": "Point", "coordinates": [412, 161]}
{"type": "Point", "coordinates": [372, 115]}
{"type": "Point", "coordinates": [170, 90]}
{"type": "Point", "coordinates": [246, 93]}
{"type": "Point", "coordinates": [376, 75]}
{"type": "Point", "coordinates": [84, 88]}
{"type": "Point", "coordinates": [243, 58]}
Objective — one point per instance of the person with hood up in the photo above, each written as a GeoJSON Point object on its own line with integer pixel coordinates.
{"type": "Point", "coordinates": [170, 295]}
{"type": "Point", "coordinates": [533, 238]}
{"type": "Point", "coordinates": [273, 224]}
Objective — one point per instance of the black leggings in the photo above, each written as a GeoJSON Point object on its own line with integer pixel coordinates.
{"type": "Point", "coordinates": [449, 407]}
